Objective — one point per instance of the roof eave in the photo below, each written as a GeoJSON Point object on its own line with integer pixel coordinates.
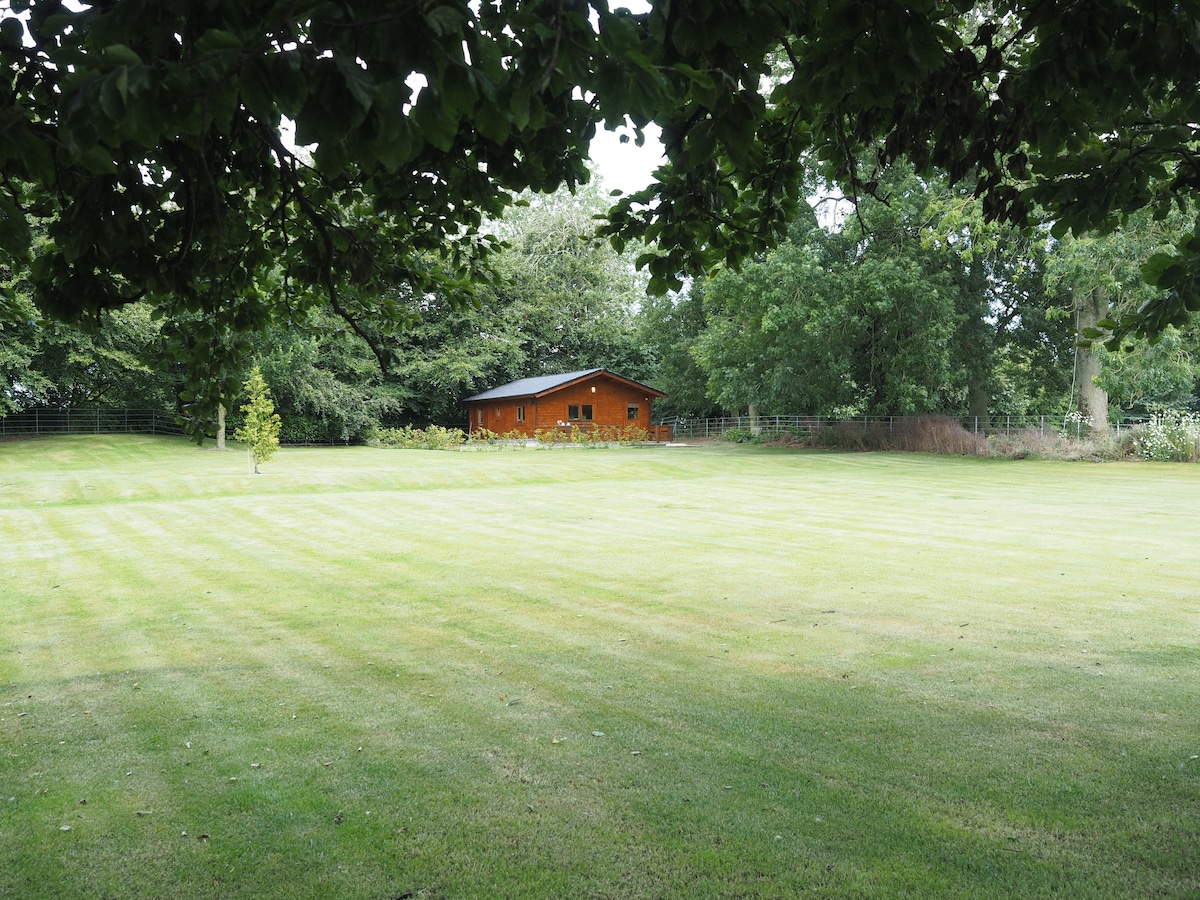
{"type": "Point", "coordinates": [599, 372]}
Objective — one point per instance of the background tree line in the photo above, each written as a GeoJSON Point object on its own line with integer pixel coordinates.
{"type": "Point", "coordinates": [909, 302]}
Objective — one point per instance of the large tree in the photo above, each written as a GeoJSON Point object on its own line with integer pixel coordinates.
{"type": "Point", "coordinates": [1100, 280]}
{"type": "Point", "coordinates": [557, 300]}
{"type": "Point", "coordinates": [148, 136]}
{"type": "Point", "coordinates": [834, 324]}
{"type": "Point", "coordinates": [1011, 346]}
{"type": "Point", "coordinates": [668, 327]}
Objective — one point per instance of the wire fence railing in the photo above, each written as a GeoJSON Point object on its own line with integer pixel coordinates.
{"type": "Point", "coordinates": [100, 420]}
{"type": "Point", "coordinates": [89, 421]}
{"type": "Point", "coordinates": [805, 426]}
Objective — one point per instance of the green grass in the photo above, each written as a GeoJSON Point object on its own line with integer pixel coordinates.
{"type": "Point", "coordinates": [377, 674]}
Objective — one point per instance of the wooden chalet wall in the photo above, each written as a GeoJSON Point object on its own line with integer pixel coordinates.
{"type": "Point", "coordinates": [609, 398]}
{"type": "Point", "coordinates": [500, 415]}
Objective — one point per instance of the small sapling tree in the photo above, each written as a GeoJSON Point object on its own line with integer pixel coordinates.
{"type": "Point", "coordinates": [261, 431]}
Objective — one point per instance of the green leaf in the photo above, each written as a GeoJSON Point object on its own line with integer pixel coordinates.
{"type": "Point", "coordinates": [492, 123]}
{"type": "Point", "coordinates": [1154, 267]}
{"type": "Point", "coordinates": [438, 123]}
{"type": "Point", "coordinates": [120, 55]}
{"type": "Point", "coordinates": [444, 20]}
{"type": "Point", "coordinates": [98, 159]}
{"type": "Point", "coordinates": [14, 227]}
{"type": "Point", "coordinates": [112, 98]}
{"type": "Point", "coordinates": [358, 81]}
{"type": "Point", "coordinates": [1170, 276]}
{"type": "Point", "coordinates": [399, 142]}
{"type": "Point", "coordinates": [520, 109]}
{"type": "Point", "coordinates": [331, 158]}
{"type": "Point", "coordinates": [215, 40]}
{"type": "Point", "coordinates": [458, 90]}
{"type": "Point", "coordinates": [12, 34]}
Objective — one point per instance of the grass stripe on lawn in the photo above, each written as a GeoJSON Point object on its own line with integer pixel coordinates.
{"type": "Point", "coordinates": [375, 673]}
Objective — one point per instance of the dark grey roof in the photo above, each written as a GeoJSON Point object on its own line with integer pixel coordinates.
{"type": "Point", "coordinates": [529, 387]}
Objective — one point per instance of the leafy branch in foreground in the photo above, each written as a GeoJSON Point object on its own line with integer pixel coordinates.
{"type": "Point", "coordinates": [147, 139]}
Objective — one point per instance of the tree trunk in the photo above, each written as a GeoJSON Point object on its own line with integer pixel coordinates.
{"type": "Point", "coordinates": [755, 428]}
{"type": "Point", "coordinates": [977, 339]}
{"type": "Point", "coordinates": [1093, 400]}
{"type": "Point", "coordinates": [977, 400]}
{"type": "Point", "coordinates": [220, 426]}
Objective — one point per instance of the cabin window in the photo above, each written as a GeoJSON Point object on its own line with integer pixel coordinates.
{"type": "Point", "coordinates": [587, 412]}
{"type": "Point", "coordinates": [573, 412]}
{"type": "Point", "coordinates": [631, 412]}
{"type": "Point", "coordinates": [577, 413]}
{"type": "Point", "coordinates": [520, 414]}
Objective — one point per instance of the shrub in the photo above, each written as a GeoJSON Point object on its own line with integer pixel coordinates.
{"type": "Point", "coordinates": [632, 434]}
{"type": "Point", "coordinates": [1032, 443]}
{"type": "Point", "coordinates": [495, 438]}
{"type": "Point", "coordinates": [594, 436]}
{"type": "Point", "coordinates": [435, 437]}
{"type": "Point", "coordinates": [1077, 425]}
{"type": "Point", "coordinates": [1170, 437]}
{"type": "Point", "coordinates": [1050, 444]}
{"type": "Point", "coordinates": [299, 428]}
{"type": "Point", "coordinates": [549, 436]}
{"type": "Point", "coordinates": [943, 434]}
{"type": "Point", "coordinates": [852, 436]}
{"type": "Point", "coordinates": [924, 434]}
{"type": "Point", "coordinates": [741, 436]}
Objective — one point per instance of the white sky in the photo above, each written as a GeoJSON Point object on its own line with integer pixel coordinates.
{"type": "Point", "coordinates": [626, 167]}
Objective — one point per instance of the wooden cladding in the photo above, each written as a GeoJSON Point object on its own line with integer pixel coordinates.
{"type": "Point", "coordinates": [600, 400]}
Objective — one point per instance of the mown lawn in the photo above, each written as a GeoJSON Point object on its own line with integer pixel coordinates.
{"type": "Point", "coordinates": [706, 672]}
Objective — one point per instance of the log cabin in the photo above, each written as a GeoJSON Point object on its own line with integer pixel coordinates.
{"type": "Point", "coordinates": [588, 400]}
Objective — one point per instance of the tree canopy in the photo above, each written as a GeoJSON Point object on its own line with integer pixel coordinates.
{"type": "Point", "coordinates": [147, 139]}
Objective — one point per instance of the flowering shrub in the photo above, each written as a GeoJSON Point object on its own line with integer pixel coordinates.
{"type": "Point", "coordinates": [1170, 437]}
{"type": "Point", "coordinates": [1076, 424]}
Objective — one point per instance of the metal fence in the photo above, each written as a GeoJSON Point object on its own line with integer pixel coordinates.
{"type": "Point", "coordinates": [151, 421]}
{"type": "Point", "coordinates": [90, 421]}
{"type": "Point", "coordinates": [1070, 426]}
{"type": "Point", "coordinates": [804, 426]}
